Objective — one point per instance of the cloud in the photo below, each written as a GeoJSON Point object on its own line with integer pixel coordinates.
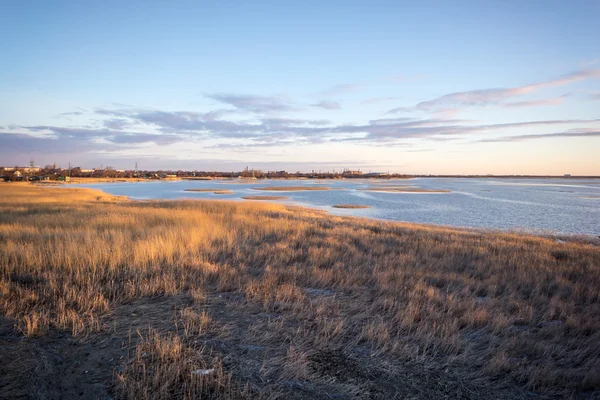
{"type": "Point", "coordinates": [494, 96]}
{"type": "Point", "coordinates": [328, 105]}
{"type": "Point", "coordinates": [284, 131]}
{"type": "Point", "coordinates": [255, 104]}
{"type": "Point", "coordinates": [147, 127]}
{"type": "Point", "coordinates": [25, 144]}
{"type": "Point", "coordinates": [64, 134]}
{"type": "Point", "coordinates": [115, 123]}
{"type": "Point", "coordinates": [534, 103]}
{"type": "Point", "coordinates": [585, 132]}
{"type": "Point", "coordinates": [69, 114]}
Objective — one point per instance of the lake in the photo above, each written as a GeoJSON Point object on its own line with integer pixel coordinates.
{"type": "Point", "coordinates": [547, 206]}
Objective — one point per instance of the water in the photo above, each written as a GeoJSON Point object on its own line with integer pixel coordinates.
{"type": "Point", "coordinates": [553, 206]}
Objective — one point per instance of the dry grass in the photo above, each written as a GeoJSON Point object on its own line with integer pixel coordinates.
{"type": "Point", "coordinates": [292, 188]}
{"type": "Point", "coordinates": [350, 206]}
{"type": "Point", "coordinates": [214, 191]}
{"type": "Point", "coordinates": [265, 197]}
{"type": "Point", "coordinates": [263, 301]}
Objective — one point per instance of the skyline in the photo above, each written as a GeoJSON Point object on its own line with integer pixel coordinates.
{"type": "Point", "coordinates": [432, 88]}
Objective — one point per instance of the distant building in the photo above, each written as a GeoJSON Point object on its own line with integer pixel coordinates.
{"type": "Point", "coordinates": [567, 175]}
{"type": "Point", "coordinates": [348, 172]}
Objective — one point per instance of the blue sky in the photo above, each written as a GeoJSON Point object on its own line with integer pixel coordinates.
{"type": "Point", "coordinates": [472, 87]}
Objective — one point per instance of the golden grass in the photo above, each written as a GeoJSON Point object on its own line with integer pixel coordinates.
{"type": "Point", "coordinates": [214, 191]}
{"type": "Point", "coordinates": [267, 301]}
{"type": "Point", "coordinates": [265, 197]}
{"type": "Point", "coordinates": [350, 206]}
{"type": "Point", "coordinates": [292, 188]}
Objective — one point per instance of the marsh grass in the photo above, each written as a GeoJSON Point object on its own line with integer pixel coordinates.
{"type": "Point", "coordinates": [335, 305]}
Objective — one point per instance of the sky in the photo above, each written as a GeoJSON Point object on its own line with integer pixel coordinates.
{"type": "Point", "coordinates": [427, 87]}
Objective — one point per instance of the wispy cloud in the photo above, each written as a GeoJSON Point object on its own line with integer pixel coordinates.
{"type": "Point", "coordinates": [568, 134]}
{"type": "Point", "coordinates": [534, 103]}
{"type": "Point", "coordinates": [494, 96]}
{"type": "Point", "coordinates": [328, 105]}
{"type": "Point", "coordinates": [145, 128]}
{"type": "Point", "coordinates": [69, 114]}
{"type": "Point", "coordinates": [377, 100]}
{"type": "Point", "coordinates": [255, 104]}
{"type": "Point", "coordinates": [111, 136]}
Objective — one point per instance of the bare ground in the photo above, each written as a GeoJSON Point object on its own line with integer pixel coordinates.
{"type": "Point", "coordinates": [60, 366]}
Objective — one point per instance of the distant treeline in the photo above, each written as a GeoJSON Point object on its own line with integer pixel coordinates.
{"type": "Point", "coordinates": [53, 173]}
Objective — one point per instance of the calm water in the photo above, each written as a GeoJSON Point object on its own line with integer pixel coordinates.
{"type": "Point", "coordinates": [566, 206]}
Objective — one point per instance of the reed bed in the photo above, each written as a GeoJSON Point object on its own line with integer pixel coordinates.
{"type": "Point", "coordinates": [258, 300]}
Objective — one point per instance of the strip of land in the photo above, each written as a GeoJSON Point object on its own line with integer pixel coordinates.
{"type": "Point", "coordinates": [265, 197]}
{"type": "Point", "coordinates": [105, 297]}
{"type": "Point", "coordinates": [214, 191]}
{"type": "Point", "coordinates": [403, 189]}
{"type": "Point", "coordinates": [350, 206]}
{"type": "Point", "coordinates": [291, 188]}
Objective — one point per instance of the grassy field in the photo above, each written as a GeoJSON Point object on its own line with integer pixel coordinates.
{"type": "Point", "coordinates": [101, 296]}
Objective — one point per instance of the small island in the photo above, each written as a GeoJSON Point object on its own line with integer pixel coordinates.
{"type": "Point", "coordinates": [404, 189]}
{"type": "Point", "coordinates": [265, 197]}
{"type": "Point", "coordinates": [350, 206]}
{"type": "Point", "coordinates": [214, 191]}
{"type": "Point", "coordinates": [292, 188]}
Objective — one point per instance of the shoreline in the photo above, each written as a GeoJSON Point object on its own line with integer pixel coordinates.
{"type": "Point", "coordinates": [529, 231]}
{"type": "Point", "coordinates": [286, 202]}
